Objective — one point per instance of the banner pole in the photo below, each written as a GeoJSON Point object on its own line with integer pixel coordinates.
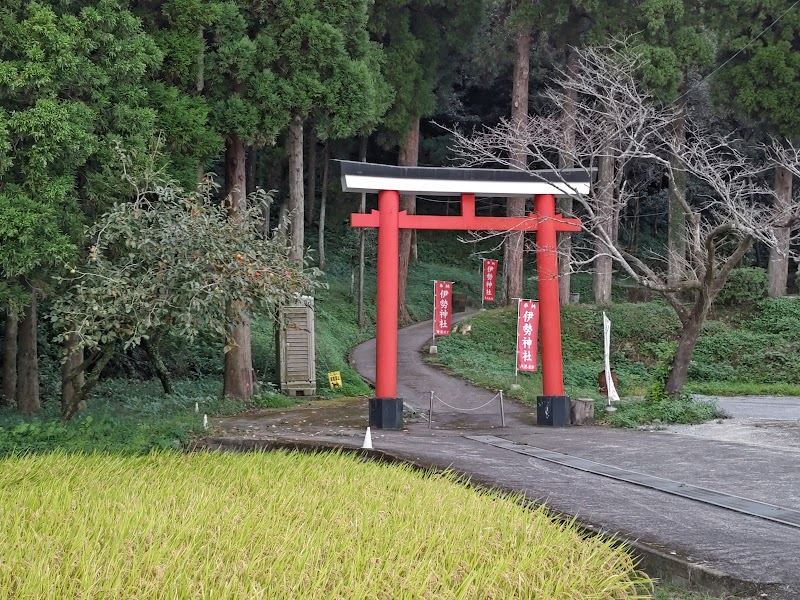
{"type": "Point", "coordinates": [433, 322]}
{"type": "Point", "coordinates": [430, 411]}
{"type": "Point", "coordinates": [516, 351]}
{"type": "Point", "coordinates": [483, 277]}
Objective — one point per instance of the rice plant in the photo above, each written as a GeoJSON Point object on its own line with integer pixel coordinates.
{"type": "Point", "coordinates": [283, 525]}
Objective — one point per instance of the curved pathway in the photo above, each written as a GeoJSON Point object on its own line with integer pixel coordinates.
{"type": "Point", "coordinates": [457, 403]}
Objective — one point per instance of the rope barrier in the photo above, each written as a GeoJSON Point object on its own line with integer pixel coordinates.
{"type": "Point", "coordinates": [499, 394]}
{"type": "Point", "coordinates": [455, 408]}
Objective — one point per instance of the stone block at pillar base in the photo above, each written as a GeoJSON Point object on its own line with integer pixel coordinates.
{"type": "Point", "coordinates": [552, 411]}
{"type": "Point", "coordinates": [386, 413]}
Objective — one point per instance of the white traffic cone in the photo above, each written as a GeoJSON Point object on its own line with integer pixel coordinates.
{"type": "Point", "coordinates": [367, 441]}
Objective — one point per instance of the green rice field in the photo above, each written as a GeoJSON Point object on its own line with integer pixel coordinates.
{"type": "Point", "coordinates": [283, 525]}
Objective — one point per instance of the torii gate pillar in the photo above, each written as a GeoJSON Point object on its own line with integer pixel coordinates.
{"type": "Point", "coordinates": [386, 409]}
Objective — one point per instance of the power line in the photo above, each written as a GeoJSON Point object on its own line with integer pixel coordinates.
{"type": "Point", "coordinates": [738, 52]}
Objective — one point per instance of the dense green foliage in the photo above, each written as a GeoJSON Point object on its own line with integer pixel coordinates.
{"type": "Point", "coordinates": [761, 76]}
{"type": "Point", "coordinates": [745, 286]}
{"type": "Point", "coordinates": [168, 524]}
{"type": "Point", "coordinates": [71, 89]}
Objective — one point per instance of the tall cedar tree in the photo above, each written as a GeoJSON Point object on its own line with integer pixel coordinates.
{"type": "Point", "coordinates": [421, 38]}
{"type": "Point", "coordinates": [70, 91]}
{"type": "Point", "coordinates": [762, 82]}
{"type": "Point", "coordinates": [263, 67]}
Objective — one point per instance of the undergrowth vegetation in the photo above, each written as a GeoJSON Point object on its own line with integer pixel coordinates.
{"type": "Point", "coordinates": [659, 407]}
{"type": "Point", "coordinates": [754, 348]}
{"type": "Point", "coordinates": [283, 525]}
{"type": "Point", "coordinates": [128, 417]}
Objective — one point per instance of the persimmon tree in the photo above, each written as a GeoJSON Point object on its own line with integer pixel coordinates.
{"type": "Point", "coordinates": [170, 260]}
{"type": "Point", "coordinates": [727, 210]}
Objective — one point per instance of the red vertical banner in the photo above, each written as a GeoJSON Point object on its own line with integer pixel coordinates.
{"type": "Point", "coordinates": [442, 307]}
{"type": "Point", "coordinates": [527, 334]}
{"type": "Point", "coordinates": [489, 279]}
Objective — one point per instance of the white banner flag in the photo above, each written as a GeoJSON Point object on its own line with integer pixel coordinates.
{"type": "Point", "coordinates": [612, 391]}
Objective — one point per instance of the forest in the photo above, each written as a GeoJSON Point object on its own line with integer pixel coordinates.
{"type": "Point", "coordinates": [166, 181]}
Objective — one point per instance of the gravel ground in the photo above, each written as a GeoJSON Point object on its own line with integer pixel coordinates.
{"type": "Point", "coordinates": [772, 421]}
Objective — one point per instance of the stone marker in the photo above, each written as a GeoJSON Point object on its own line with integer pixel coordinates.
{"type": "Point", "coordinates": [581, 411]}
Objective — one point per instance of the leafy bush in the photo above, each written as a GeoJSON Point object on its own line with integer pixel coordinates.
{"type": "Point", "coordinates": [745, 286]}
{"type": "Point", "coordinates": [658, 406]}
{"type": "Point", "coordinates": [780, 316]}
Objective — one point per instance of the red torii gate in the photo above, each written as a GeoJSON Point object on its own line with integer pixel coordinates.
{"type": "Point", "coordinates": [385, 409]}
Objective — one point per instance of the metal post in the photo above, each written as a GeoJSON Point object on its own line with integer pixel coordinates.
{"type": "Point", "coordinates": [483, 270]}
{"type": "Point", "coordinates": [502, 410]}
{"type": "Point", "coordinates": [430, 411]}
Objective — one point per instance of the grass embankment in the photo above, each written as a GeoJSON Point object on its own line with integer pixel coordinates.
{"type": "Point", "coordinates": [757, 351]}
{"type": "Point", "coordinates": [279, 525]}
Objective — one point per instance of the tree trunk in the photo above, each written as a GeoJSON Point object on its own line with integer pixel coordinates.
{"type": "Point", "coordinates": [79, 398]}
{"type": "Point", "coordinates": [72, 376]}
{"type": "Point", "coordinates": [311, 176]}
{"type": "Point", "coordinates": [676, 235]}
{"type": "Point", "coordinates": [151, 349]}
{"type": "Point", "coordinates": [200, 82]}
{"type": "Point", "coordinates": [10, 360]}
{"type": "Point", "coordinates": [778, 268]}
{"type": "Point", "coordinates": [28, 360]}
{"type": "Point", "coordinates": [409, 157]}
{"type": "Point", "coordinates": [601, 283]}
{"type": "Point", "coordinates": [362, 243]}
{"type": "Point", "coordinates": [294, 148]}
{"type": "Point", "coordinates": [515, 207]}
{"type": "Point", "coordinates": [251, 160]}
{"type": "Point", "coordinates": [686, 344]}
{"type": "Point", "coordinates": [238, 377]}
{"type": "Point", "coordinates": [323, 208]}
{"type": "Point", "coordinates": [714, 278]}
{"type": "Point", "coordinates": [564, 203]}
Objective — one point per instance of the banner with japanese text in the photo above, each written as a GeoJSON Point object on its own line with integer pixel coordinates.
{"type": "Point", "coordinates": [489, 279]}
{"type": "Point", "coordinates": [527, 335]}
{"type": "Point", "coordinates": [442, 307]}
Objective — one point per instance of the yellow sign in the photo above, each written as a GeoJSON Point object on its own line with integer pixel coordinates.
{"type": "Point", "coordinates": [335, 379]}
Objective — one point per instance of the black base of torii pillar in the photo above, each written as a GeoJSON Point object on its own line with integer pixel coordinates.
{"type": "Point", "coordinates": [386, 409]}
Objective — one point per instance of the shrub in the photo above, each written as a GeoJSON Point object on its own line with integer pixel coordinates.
{"type": "Point", "coordinates": [745, 286]}
{"type": "Point", "coordinates": [658, 406]}
{"type": "Point", "coordinates": [779, 316]}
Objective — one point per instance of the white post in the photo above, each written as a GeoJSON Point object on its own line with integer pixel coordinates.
{"type": "Point", "coordinates": [611, 390]}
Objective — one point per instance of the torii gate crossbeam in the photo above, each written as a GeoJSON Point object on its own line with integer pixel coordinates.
{"type": "Point", "coordinates": [386, 410]}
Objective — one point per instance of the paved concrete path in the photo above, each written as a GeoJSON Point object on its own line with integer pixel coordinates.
{"type": "Point", "coordinates": [677, 538]}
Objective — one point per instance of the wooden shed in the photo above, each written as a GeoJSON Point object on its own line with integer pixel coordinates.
{"type": "Point", "coordinates": [296, 360]}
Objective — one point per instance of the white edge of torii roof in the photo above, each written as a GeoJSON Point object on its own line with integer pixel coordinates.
{"type": "Point", "coordinates": [453, 181]}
